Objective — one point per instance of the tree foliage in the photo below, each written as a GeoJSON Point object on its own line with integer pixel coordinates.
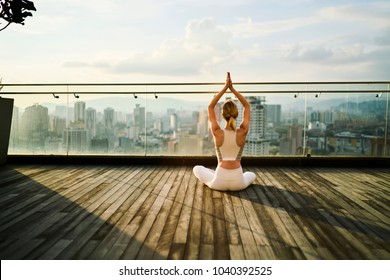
{"type": "Point", "coordinates": [15, 11]}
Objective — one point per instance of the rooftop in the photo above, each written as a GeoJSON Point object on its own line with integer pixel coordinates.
{"type": "Point", "coordinates": [161, 211]}
{"type": "Point", "coordinates": [117, 184]}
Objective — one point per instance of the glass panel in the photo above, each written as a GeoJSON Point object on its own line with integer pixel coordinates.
{"type": "Point", "coordinates": [107, 124]}
{"type": "Point", "coordinates": [38, 123]}
{"type": "Point", "coordinates": [284, 124]}
{"type": "Point", "coordinates": [166, 119]}
{"type": "Point", "coordinates": [350, 124]}
{"type": "Point", "coordinates": [177, 124]}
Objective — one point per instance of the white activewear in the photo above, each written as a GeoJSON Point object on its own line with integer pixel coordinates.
{"type": "Point", "coordinates": [223, 179]}
{"type": "Point", "coordinates": [229, 150]}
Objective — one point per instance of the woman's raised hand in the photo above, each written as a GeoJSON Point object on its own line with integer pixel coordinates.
{"type": "Point", "coordinates": [228, 80]}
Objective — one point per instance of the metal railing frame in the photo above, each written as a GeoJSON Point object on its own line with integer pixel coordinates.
{"type": "Point", "coordinates": [68, 85]}
{"type": "Point", "coordinates": [26, 88]}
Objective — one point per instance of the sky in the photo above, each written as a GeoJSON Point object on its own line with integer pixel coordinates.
{"type": "Point", "coordinates": [70, 41]}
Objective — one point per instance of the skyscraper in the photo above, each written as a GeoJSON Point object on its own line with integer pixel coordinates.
{"type": "Point", "coordinates": [75, 139]}
{"type": "Point", "coordinates": [109, 122]}
{"type": "Point", "coordinates": [109, 118]}
{"type": "Point", "coordinates": [34, 126]}
{"type": "Point", "coordinates": [90, 122]}
{"type": "Point", "coordinates": [174, 122]}
{"type": "Point", "coordinates": [256, 144]}
{"type": "Point", "coordinates": [274, 113]}
{"type": "Point", "coordinates": [203, 124]}
{"type": "Point", "coordinates": [139, 117]}
{"type": "Point", "coordinates": [79, 111]}
{"type": "Point", "coordinates": [60, 111]}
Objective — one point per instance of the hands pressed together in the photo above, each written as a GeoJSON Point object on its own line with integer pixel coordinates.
{"type": "Point", "coordinates": [228, 83]}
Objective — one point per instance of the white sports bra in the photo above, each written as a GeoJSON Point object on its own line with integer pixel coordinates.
{"type": "Point", "coordinates": [229, 150]}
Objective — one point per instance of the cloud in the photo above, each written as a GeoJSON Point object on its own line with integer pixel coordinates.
{"type": "Point", "coordinates": [383, 39]}
{"type": "Point", "coordinates": [354, 62]}
{"type": "Point", "coordinates": [203, 45]}
{"type": "Point", "coordinates": [323, 54]}
{"type": "Point", "coordinates": [298, 53]}
{"type": "Point", "coordinates": [247, 28]}
{"type": "Point", "coordinates": [302, 42]}
{"type": "Point", "coordinates": [75, 64]}
{"type": "Point", "coordinates": [373, 15]}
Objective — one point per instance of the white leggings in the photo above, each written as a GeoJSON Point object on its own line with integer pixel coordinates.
{"type": "Point", "coordinates": [223, 179]}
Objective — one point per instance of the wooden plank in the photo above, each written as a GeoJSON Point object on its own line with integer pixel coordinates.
{"type": "Point", "coordinates": [279, 237]}
{"type": "Point", "coordinates": [159, 239]}
{"type": "Point", "coordinates": [129, 229]}
{"type": "Point", "coordinates": [177, 250]}
{"type": "Point", "coordinates": [89, 226]}
{"type": "Point", "coordinates": [248, 241]}
{"type": "Point", "coordinates": [192, 250]}
{"type": "Point", "coordinates": [256, 227]}
{"type": "Point", "coordinates": [135, 245]}
{"type": "Point", "coordinates": [207, 232]}
{"type": "Point", "coordinates": [51, 202]}
{"type": "Point", "coordinates": [116, 223]}
{"type": "Point", "coordinates": [221, 240]}
{"type": "Point", "coordinates": [359, 249]}
{"type": "Point", "coordinates": [232, 231]}
{"type": "Point", "coordinates": [53, 251]}
{"type": "Point", "coordinates": [236, 252]}
{"type": "Point", "coordinates": [15, 254]}
{"type": "Point", "coordinates": [345, 199]}
{"type": "Point", "coordinates": [175, 199]}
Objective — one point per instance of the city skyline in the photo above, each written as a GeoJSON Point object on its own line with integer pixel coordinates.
{"type": "Point", "coordinates": [274, 130]}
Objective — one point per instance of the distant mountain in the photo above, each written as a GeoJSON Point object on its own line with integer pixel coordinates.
{"type": "Point", "coordinates": [325, 102]}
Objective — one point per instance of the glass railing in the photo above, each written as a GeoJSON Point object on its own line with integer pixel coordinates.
{"type": "Point", "coordinates": [287, 119]}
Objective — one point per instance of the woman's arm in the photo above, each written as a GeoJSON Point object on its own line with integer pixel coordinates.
{"type": "Point", "coordinates": [247, 109]}
{"type": "Point", "coordinates": [212, 118]}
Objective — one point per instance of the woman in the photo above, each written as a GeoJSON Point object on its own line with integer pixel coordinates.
{"type": "Point", "coordinates": [229, 144]}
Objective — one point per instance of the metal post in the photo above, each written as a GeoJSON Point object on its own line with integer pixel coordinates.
{"type": "Point", "coordinates": [304, 124]}
{"type": "Point", "coordinates": [386, 121]}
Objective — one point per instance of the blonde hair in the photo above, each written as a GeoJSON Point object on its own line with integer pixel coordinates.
{"type": "Point", "coordinates": [230, 113]}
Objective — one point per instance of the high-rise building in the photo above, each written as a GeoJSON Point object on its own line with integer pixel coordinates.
{"type": "Point", "coordinates": [315, 116]}
{"type": "Point", "coordinates": [256, 144]}
{"type": "Point", "coordinates": [109, 118]}
{"type": "Point", "coordinates": [58, 125]}
{"type": "Point", "coordinates": [203, 124]}
{"type": "Point", "coordinates": [109, 122]}
{"type": "Point", "coordinates": [90, 122]}
{"type": "Point", "coordinates": [139, 117]}
{"type": "Point", "coordinates": [99, 145]}
{"type": "Point", "coordinates": [34, 126]}
{"type": "Point", "coordinates": [274, 114]}
{"type": "Point", "coordinates": [79, 111]}
{"type": "Point", "coordinates": [60, 111]}
{"type": "Point", "coordinates": [292, 143]}
{"type": "Point", "coordinates": [174, 122]}
{"type": "Point", "coordinates": [75, 139]}
{"type": "Point", "coordinates": [170, 111]}
{"type": "Point", "coordinates": [328, 117]}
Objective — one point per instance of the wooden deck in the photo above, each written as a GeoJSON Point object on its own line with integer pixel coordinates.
{"type": "Point", "coordinates": [163, 212]}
